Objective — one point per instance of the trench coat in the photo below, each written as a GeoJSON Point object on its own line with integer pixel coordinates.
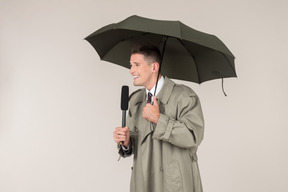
{"type": "Point", "coordinates": [165, 157]}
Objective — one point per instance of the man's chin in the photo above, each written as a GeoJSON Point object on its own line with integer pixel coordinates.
{"type": "Point", "coordinates": [136, 84]}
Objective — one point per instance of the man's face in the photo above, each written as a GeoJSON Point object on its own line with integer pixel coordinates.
{"type": "Point", "coordinates": [141, 71]}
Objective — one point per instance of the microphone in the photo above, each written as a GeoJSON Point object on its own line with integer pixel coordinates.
{"type": "Point", "coordinates": [124, 103]}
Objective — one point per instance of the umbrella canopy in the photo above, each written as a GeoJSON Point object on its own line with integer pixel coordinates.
{"type": "Point", "coordinates": [187, 54]}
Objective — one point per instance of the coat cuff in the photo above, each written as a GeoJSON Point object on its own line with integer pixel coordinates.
{"type": "Point", "coordinates": [125, 153]}
{"type": "Point", "coordinates": [163, 128]}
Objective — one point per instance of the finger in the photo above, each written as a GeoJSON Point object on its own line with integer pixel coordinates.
{"type": "Point", "coordinates": [121, 129]}
{"type": "Point", "coordinates": [117, 129]}
{"type": "Point", "coordinates": [125, 129]}
{"type": "Point", "coordinates": [119, 134]}
{"type": "Point", "coordinates": [155, 101]}
{"type": "Point", "coordinates": [117, 139]}
{"type": "Point", "coordinates": [120, 138]}
{"type": "Point", "coordinates": [145, 115]}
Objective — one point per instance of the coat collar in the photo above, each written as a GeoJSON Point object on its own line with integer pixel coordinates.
{"type": "Point", "coordinates": [166, 91]}
{"type": "Point", "coordinates": [163, 95]}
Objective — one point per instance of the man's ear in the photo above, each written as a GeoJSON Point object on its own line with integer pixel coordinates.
{"type": "Point", "coordinates": [156, 67]}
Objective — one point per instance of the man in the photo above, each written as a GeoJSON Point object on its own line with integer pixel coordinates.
{"type": "Point", "coordinates": [162, 135]}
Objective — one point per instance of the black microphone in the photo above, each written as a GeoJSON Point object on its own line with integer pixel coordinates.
{"type": "Point", "coordinates": [124, 103]}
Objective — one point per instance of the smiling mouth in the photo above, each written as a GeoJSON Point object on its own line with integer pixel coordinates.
{"type": "Point", "coordinates": [135, 77]}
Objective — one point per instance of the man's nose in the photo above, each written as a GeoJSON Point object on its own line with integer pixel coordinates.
{"type": "Point", "coordinates": [131, 70]}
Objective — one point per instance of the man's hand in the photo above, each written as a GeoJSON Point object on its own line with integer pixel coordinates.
{"type": "Point", "coordinates": [122, 135]}
{"type": "Point", "coordinates": [151, 112]}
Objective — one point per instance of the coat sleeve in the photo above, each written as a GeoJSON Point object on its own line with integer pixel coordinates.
{"type": "Point", "coordinates": [186, 130]}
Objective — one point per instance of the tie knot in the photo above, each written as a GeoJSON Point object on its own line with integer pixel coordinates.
{"type": "Point", "coordinates": [149, 100]}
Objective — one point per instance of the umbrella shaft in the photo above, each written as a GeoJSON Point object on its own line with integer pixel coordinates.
{"type": "Point", "coordinates": [164, 39]}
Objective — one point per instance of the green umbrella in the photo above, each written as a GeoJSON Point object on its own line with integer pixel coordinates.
{"type": "Point", "coordinates": [187, 54]}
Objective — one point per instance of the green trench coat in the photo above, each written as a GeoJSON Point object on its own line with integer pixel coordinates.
{"type": "Point", "coordinates": [165, 157]}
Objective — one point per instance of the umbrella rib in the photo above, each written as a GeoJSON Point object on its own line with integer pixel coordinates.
{"type": "Point", "coordinates": [229, 64]}
{"type": "Point", "coordinates": [199, 81]}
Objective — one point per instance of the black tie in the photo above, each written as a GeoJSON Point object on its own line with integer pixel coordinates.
{"type": "Point", "coordinates": [149, 100]}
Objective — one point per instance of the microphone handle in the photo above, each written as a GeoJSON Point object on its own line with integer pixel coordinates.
{"type": "Point", "coordinates": [123, 118]}
{"type": "Point", "coordinates": [123, 122]}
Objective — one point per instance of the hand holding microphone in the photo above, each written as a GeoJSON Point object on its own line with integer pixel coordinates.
{"type": "Point", "coordinates": [121, 134]}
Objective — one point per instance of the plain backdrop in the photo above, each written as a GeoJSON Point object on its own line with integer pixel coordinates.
{"type": "Point", "coordinates": [59, 104]}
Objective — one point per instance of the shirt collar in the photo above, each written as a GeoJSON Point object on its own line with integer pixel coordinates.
{"type": "Point", "coordinates": [159, 87]}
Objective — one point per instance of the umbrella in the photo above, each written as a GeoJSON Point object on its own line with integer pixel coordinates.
{"type": "Point", "coordinates": [187, 54]}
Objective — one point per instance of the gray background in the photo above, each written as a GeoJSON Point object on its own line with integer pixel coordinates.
{"type": "Point", "coordinates": [56, 128]}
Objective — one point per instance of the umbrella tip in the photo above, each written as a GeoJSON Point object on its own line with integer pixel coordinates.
{"type": "Point", "coordinates": [223, 87]}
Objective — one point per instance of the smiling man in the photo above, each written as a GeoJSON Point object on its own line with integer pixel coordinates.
{"type": "Point", "coordinates": [163, 131]}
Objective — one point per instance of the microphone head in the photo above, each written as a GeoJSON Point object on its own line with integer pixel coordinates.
{"type": "Point", "coordinates": [124, 97]}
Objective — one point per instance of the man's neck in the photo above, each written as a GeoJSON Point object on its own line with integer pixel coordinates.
{"type": "Point", "coordinates": [154, 83]}
{"type": "Point", "coordinates": [158, 88]}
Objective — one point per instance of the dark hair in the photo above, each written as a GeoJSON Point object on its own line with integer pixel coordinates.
{"type": "Point", "coordinates": [148, 50]}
